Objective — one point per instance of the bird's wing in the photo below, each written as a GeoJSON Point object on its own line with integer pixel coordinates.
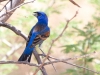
{"type": "Point", "coordinates": [31, 39]}
{"type": "Point", "coordinates": [30, 33]}
{"type": "Point", "coordinates": [45, 33]}
{"type": "Point", "coordinates": [42, 34]}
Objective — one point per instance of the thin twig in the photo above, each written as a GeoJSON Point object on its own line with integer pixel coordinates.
{"type": "Point", "coordinates": [43, 60]}
{"type": "Point", "coordinates": [4, 6]}
{"type": "Point", "coordinates": [72, 1]}
{"type": "Point", "coordinates": [71, 58]}
{"type": "Point", "coordinates": [56, 61]}
{"type": "Point", "coordinates": [66, 26]}
{"type": "Point", "coordinates": [48, 59]}
{"type": "Point", "coordinates": [7, 12]}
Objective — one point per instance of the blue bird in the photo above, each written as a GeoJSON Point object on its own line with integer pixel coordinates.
{"type": "Point", "coordinates": [37, 35]}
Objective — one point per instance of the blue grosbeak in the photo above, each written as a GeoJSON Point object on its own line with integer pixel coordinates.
{"type": "Point", "coordinates": [37, 35]}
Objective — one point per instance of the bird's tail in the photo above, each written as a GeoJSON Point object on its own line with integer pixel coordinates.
{"type": "Point", "coordinates": [26, 56]}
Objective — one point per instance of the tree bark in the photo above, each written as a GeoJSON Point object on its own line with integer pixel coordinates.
{"type": "Point", "coordinates": [39, 62]}
{"type": "Point", "coordinates": [10, 5]}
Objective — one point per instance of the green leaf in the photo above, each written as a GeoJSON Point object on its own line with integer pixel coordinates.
{"type": "Point", "coordinates": [80, 32]}
{"type": "Point", "coordinates": [89, 59]}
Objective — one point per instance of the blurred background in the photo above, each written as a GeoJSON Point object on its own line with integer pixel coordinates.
{"type": "Point", "coordinates": [81, 37]}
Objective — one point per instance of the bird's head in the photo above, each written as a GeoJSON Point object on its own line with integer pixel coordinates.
{"type": "Point", "coordinates": [41, 16]}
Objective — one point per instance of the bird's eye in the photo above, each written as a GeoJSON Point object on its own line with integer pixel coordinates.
{"type": "Point", "coordinates": [39, 14]}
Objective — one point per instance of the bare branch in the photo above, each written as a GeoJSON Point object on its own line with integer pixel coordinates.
{"type": "Point", "coordinates": [11, 10]}
{"type": "Point", "coordinates": [2, 0]}
{"type": "Point", "coordinates": [39, 62]}
{"type": "Point", "coordinates": [18, 62]}
{"type": "Point", "coordinates": [74, 3]}
{"type": "Point", "coordinates": [18, 32]}
{"type": "Point", "coordinates": [71, 58]}
{"type": "Point", "coordinates": [13, 49]}
{"type": "Point", "coordinates": [8, 7]}
{"type": "Point", "coordinates": [43, 60]}
{"type": "Point", "coordinates": [6, 42]}
{"type": "Point", "coordinates": [55, 61]}
{"type": "Point", "coordinates": [65, 61]}
{"type": "Point", "coordinates": [47, 63]}
{"type": "Point", "coordinates": [66, 26]}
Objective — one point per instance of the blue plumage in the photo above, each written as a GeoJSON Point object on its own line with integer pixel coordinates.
{"type": "Point", "coordinates": [37, 35]}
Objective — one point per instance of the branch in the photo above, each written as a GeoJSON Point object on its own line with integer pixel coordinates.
{"type": "Point", "coordinates": [11, 10]}
{"type": "Point", "coordinates": [9, 5]}
{"type": "Point", "coordinates": [13, 49]}
{"type": "Point", "coordinates": [43, 60]}
{"type": "Point", "coordinates": [18, 62]}
{"type": "Point", "coordinates": [18, 32]}
{"type": "Point", "coordinates": [6, 42]}
{"type": "Point", "coordinates": [66, 26]}
{"type": "Point", "coordinates": [74, 3]}
{"type": "Point", "coordinates": [39, 62]}
{"type": "Point", "coordinates": [71, 58]}
{"type": "Point", "coordinates": [47, 63]}
{"type": "Point", "coordinates": [65, 61]}
{"type": "Point", "coordinates": [2, 0]}
{"type": "Point", "coordinates": [57, 60]}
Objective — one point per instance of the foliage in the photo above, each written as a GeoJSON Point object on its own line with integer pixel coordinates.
{"type": "Point", "coordinates": [89, 41]}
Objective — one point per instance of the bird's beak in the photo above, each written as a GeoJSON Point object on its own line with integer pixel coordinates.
{"type": "Point", "coordinates": [35, 14]}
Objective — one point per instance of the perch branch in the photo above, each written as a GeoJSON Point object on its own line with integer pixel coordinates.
{"type": "Point", "coordinates": [55, 61]}
{"type": "Point", "coordinates": [39, 62]}
{"type": "Point", "coordinates": [18, 32]}
{"type": "Point", "coordinates": [18, 62]}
